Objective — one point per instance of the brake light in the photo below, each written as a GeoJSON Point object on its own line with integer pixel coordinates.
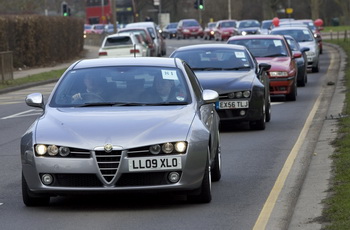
{"type": "Point", "coordinates": [102, 53]}
{"type": "Point", "coordinates": [134, 51]}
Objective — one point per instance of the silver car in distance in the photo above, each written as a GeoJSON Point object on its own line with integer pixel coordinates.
{"type": "Point", "coordinates": [122, 125]}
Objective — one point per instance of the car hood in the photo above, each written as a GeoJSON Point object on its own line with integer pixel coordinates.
{"type": "Point", "coordinates": [122, 126]}
{"type": "Point", "coordinates": [311, 45]}
{"type": "Point", "coordinates": [277, 63]}
{"type": "Point", "coordinates": [226, 81]}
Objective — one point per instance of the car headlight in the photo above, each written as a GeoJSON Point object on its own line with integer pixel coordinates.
{"type": "Point", "coordinates": [180, 146]}
{"type": "Point", "coordinates": [186, 31]}
{"type": "Point", "coordinates": [278, 74]}
{"type": "Point", "coordinates": [168, 148]}
{"type": "Point", "coordinates": [310, 54]}
{"type": "Point", "coordinates": [51, 150]}
{"type": "Point", "coordinates": [41, 149]}
{"type": "Point", "coordinates": [244, 33]}
{"type": "Point", "coordinates": [246, 94]}
{"type": "Point", "coordinates": [239, 94]}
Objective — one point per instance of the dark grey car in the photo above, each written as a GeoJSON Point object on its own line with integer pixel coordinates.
{"type": "Point", "coordinates": [242, 84]}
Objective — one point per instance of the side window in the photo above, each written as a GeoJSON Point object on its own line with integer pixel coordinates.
{"type": "Point", "coordinates": [194, 82]}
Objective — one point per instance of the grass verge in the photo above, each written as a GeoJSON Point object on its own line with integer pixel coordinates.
{"type": "Point", "coordinates": [328, 29]}
{"type": "Point", "coordinates": [336, 215]}
{"type": "Point", "coordinates": [53, 74]}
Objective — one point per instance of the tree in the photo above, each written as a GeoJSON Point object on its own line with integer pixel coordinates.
{"type": "Point", "coordinates": [344, 5]}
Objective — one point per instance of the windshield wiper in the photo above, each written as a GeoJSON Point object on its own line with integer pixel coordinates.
{"type": "Point", "coordinates": [112, 104]}
{"type": "Point", "coordinates": [207, 69]}
{"type": "Point", "coordinates": [238, 68]}
{"type": "Point", "coordinates": [276, 55]}
{"type": "Point", "coordinates": [169, 103]}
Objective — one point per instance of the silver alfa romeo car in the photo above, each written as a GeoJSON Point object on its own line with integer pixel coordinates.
{"type": "Point", "coordinates": [122, 125]}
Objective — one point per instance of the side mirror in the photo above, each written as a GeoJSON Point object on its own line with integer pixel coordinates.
{"type": "Point", "coordinates": [304, 49]}
{"type": "Point", "coordinates": [297, 54]}
{"type": "Point", "coordinates": [35, 100]}
{"type": "Point", "coordinates": [263, 67]}
{"type": "Point", "coordinates": [210, 96]}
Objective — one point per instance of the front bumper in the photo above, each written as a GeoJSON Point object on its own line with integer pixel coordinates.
{"type": "Point", "coordinates": [281, 86]}
{"type": "Point", "coordinates": [84, 175]}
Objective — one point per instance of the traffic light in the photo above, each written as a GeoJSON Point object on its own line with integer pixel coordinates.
{"type": "Point", "coordinates": [65, 9]}
{"type": "Point", "coordinates": [196, 4]}
{"type": "Point", "coordinates": [201, 4]}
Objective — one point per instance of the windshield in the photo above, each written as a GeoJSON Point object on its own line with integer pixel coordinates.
{"type": "Point", "coordinates": [228, 24]}
{"type": "Point", "coordinates": [190, 23]}
{"type": "Point", "coordinates": [216, 59]}
{"type": "Point", "coordinates": [247, 24]}
{"type": "Point", "coordinates": [266, 25]}
{"type": "Point", "coordinates": [300, 35]}
{"type": "Point", "coordinates": [263, 47]}
{"type": "Point", "coordinates": [121, 86]}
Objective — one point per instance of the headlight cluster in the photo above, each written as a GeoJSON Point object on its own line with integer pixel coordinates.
{"type": "Point", "coordinates": [310, 54]}
{"type": "Point", "coordinates": [278, 74]}
{"type": "Point", "coordinates": [51, 150]}
{"type": "Point", "coordinates": [239, 94]}
{"type": "Point", "coordinates": [168, 148]}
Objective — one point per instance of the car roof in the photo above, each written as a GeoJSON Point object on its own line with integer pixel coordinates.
{"type": "Point", "coordinates": [291, 28]}
{"type": "Point", "coordinates": [256, 36]}
{"type": "Point", "coordinates": [141, 24]}
{"type": "Point", "coordinates": [203, 46]}
{"type": "Point", "coordinates": [139, 61]}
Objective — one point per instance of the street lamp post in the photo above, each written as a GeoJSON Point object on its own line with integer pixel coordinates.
{"type": "Point", "coordinates": [229, 9]}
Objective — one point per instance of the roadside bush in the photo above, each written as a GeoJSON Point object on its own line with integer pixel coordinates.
{"type": "Point", "coordinates": [37, 40]}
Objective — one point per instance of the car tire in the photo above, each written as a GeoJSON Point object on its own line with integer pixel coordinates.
{"type": "Point", "coordinates": [268, 109]}
{"type": "Point", "coordinates": [30, 199]}
{"type": "Point", "coordinates": [261, 123]}
{"type": "Point", "coordinates": [204, 195]}
{"type": "Point", "coordinates": [315, 69]}
{"type": "Point", "coordinates": [292, 96]}
{"type": "Point", "coordinates": [303, 81]}
{"type": "Point", "coordinates": [216, 169]}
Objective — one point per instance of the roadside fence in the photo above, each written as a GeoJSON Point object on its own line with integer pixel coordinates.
{"type": "Point", "coordinates": [338, 35]}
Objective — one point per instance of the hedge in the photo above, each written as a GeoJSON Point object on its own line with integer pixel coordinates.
{"type": "Point", "coordinates": [37, 40]}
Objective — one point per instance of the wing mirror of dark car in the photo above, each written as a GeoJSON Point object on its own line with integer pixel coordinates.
{"type": "Point", "coordinates": [304, 49]}
{"type": "Point", "coordinates": [263, 67]}
{"type": "Point", "coordinates": [297, 54]}
{"type": "Point", "coordinates": [210, 96]}
{"type": "Point", "coordinates": [35, 100]}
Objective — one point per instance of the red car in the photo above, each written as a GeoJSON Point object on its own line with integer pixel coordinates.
{"type": "Point", "coordinates": [187, 28]}
{"type": "Point", "coordinates": [209, 31]}
{"type": "Point", "coordinates": [274, 50]}
{"type": "Point", "coordinates": [224, 29]}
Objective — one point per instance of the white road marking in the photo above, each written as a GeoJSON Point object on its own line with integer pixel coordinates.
{"type": "Point", "coordinates": [31, 112]}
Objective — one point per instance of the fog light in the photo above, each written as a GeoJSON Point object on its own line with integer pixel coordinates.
{"type": "Point", "coordinates": [174, 177]}
{"type": "Point", "coordinates": [47, 179]}
{"type": "Point", "coordinates": [242, 112]}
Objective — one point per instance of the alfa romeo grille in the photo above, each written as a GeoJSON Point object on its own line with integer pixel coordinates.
{"type": "Point", "coordinates": [108, 163]}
